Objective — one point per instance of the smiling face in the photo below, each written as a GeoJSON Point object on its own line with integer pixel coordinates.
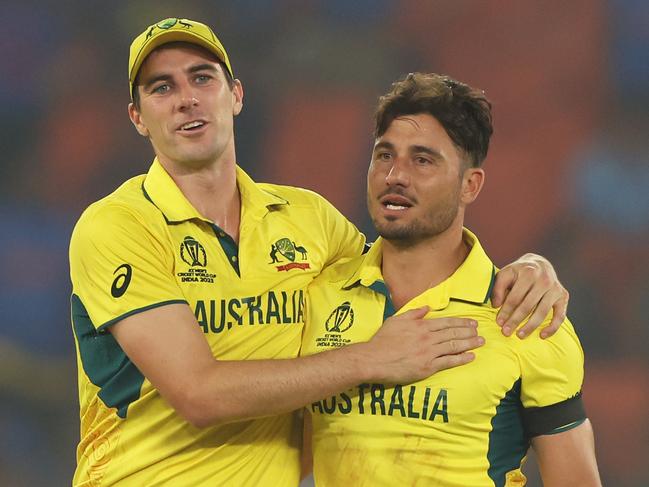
{"type": "Point", "coordinates": [186, 106]}
{"type": "Point", "coordinates": [418, 183]}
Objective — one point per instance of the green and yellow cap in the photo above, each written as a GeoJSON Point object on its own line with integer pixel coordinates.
{"type": "Point", "coordinates": [173, 30]}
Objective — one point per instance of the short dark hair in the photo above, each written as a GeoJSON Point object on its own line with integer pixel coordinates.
{"type": "Point", "coordinates": [463, 111]}
{"type": "Point", "coordinates": [228, 77]}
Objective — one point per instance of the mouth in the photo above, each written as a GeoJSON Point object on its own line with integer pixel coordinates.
{"type": "Point", "coordinates": [192, 126]}
{"type": "Point", "coordinates": [394, 202]}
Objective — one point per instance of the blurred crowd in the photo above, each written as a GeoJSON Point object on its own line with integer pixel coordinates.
{"type": "Point", "coordinates": [567, 174]}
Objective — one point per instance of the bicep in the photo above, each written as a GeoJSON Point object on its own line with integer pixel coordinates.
{"type": "Point", "coordinates": [568, 458]}
{"type": "Point", "coordinates": [167, 346]}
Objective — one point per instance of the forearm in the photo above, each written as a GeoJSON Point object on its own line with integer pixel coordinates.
{"type": "Point", "coordinates": [168, 348]}
{"type": "Point", "coordinates": [237, 390]}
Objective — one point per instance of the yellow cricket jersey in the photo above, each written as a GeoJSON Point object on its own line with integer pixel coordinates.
{"type": "Point", "coordinates": [145, 246]}
{"type": "Point", "coordinates": [467, 426]}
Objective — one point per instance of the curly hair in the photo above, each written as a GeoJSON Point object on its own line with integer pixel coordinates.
{"type": "Point", "coordinates": [463, 111]}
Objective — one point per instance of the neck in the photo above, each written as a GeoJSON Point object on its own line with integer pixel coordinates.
{"type": "Point", "coordinates": [410, 270]}
{"type": "Point", "coordinates": [212, 190]}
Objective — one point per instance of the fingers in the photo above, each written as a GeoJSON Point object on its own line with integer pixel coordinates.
{"type": "Point", "coordinates": [529, 304]}
{"type": "Point", "coordinates": [529, 288]}
{"type": "Point", "coordinates": [414, 314]}
{"type": "Point", "coordinates": [437, 324]}
{"type": "Point", "coordinates": [559, 311]}
{"type": "Point", "coordinates": [548, 301]}
{"type": "Point", "coordinates": [505, 279]}
{"type": "Point", "coordinates": [457, 347]}
{"type": "Point", "coordinates": [455, 352]}
{"type": "Point", "coordinates": [450, 361]}
{"type": "Point", "coordinates": [455, 335]}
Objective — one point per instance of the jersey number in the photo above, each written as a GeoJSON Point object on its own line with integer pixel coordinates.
{"type": "Point", "coordinates": [121, 282]}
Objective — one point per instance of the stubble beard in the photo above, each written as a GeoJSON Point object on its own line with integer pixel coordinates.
{"type": "Point", "coordinates": [406, 235]}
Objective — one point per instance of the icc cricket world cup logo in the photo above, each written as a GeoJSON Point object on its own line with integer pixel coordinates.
{"type": "Point", "coordinates": [341, 319]}
{"type": "Point", "coordinates": [193, 253]}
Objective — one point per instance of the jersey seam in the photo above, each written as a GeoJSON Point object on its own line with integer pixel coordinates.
{"type": "Point", "coordinates": [140, 310]}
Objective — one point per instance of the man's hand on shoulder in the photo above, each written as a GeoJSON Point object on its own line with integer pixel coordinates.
{"type": "Point", "coordinates": [529, 287]}
{"type": "Point", "coordinates": [409, 347]}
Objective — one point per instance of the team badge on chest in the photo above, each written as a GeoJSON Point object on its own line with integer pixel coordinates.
{"type": "Point", "coordinates": [286, 252]}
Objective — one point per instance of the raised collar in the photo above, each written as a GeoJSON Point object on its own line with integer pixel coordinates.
{"type": "Point", "coordinates": [163, 192]}
{"type": "Point", "coordinates": [471, 282]}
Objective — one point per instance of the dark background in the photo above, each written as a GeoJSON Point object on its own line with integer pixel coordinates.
{"type": "Point", "coordinates": [567, 175]}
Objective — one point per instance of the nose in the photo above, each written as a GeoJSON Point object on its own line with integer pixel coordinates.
{"type": "Point", "coordinates": [398, 174]}
{"type": "Point", "coordinates": [187, 102]}
{"type": "Point", "coordinates": [187, 98]}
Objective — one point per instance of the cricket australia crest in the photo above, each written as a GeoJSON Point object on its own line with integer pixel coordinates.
{"type": "Point", "coordinates": [287, 250]}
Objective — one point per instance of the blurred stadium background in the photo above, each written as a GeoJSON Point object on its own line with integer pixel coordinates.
{"type": "Point", "coordinates": [567, 175]}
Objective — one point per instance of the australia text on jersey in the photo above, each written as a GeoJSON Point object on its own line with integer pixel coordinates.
{"type": "Point", "coordinates": [273, 307]}
{"type": "Point", "coordinates": [409, 401]}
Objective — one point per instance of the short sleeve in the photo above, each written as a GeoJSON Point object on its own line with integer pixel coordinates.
{"type": "Point", "coordinates": [552, 374]}
{"type": "Point", "coordinates": [344, 239]}
{"type": "Point", "coordinates": [120, 265]}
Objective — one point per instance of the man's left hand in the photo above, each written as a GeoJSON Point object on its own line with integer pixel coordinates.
{"type": "Point", "coordinates": [529, 286]}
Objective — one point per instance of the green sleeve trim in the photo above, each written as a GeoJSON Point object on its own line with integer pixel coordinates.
{"type": "Point", "coordinates": [140, 310]}
{"type": "Point", "coordinates": [507, 443]}
{"type": "Point", "coordinates": [105, 363]}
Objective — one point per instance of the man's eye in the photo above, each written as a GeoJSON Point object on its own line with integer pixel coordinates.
{"type": "Point", "coordinates": [203, 78]}
{"type": "Point", "coordinates": [422, 160]}
{"type": "Point", "coordinates": [161, 89]}
{"type": "Point", "coordinates": [384, 156]}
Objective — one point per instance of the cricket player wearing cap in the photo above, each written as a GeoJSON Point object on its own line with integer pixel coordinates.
{"type": "Point", "coordinates": [189, 290]}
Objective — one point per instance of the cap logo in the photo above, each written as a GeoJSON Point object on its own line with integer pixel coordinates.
{"type": "Point", "coordinates": [166, 25]}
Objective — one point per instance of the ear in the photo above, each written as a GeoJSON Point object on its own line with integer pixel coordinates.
{"type": "Point", "coordinates": [136, 118]}
{"type": "Point", "coordinates": [237, 97]}
{"type": "Point", "coordinates": [472, 182]}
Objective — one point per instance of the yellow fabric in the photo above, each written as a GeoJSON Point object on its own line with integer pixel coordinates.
{"type": "Point", "coordinates": [129, 435]}
{"type": "Point", "coordinates": [173, 30]}
{"type": "Point", "coordinates": [444, 430]}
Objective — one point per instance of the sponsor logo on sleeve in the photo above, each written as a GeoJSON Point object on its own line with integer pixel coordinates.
{"type": "Point", "coordinates": [122, 279]}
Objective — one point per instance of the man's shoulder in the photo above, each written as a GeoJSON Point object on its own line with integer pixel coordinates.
{"type": "Point", "coordinates": [294, 195]}
{"type": "Point", "coordinates": [128, 203]}
{"type": "Point", "coordinates": [339, 275]}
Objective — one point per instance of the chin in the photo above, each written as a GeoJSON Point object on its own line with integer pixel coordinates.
{"type": "Point", "coordinates": [198, 158]}
{"type": "Point", "coordinates": [395, 231]}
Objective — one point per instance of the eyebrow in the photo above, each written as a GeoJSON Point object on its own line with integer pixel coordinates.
{"type": "Point", "coordinates": [413, 149]}
{"type": "Point", "coordinates": [166, 77]}
{"type": "Point", "coordinates": [384, 145]}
